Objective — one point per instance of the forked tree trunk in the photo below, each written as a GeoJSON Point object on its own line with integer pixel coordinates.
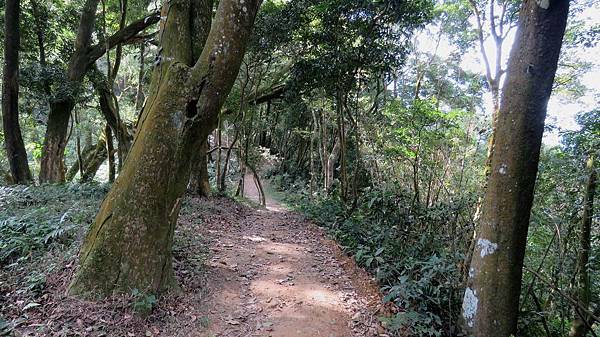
{"type": "Point", "coordinates": [491, 301]}
{"type": "Point", "coordinates": [13, 140]}
{"type": "Point", "coordinates": [52, 168]}
{"type": "Point", "coordinates": [129, 244]}
{"type": "Point", "coordinates": [581, 322]}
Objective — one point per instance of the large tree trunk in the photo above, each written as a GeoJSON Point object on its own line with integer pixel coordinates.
{"type": "Point", "coordinates": [491, 301]}
{"type": "Point", "coordinates": [581, 322]}
{"type": "Point", "coordinates": [129, 244]}
{"type": "Point", "coordinates": [52, 167]}
{"type": "Point", "coordinates": [13, 140]}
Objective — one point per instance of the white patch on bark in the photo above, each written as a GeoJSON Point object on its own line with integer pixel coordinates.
{"type": "Point", "coordinates": [545, 4]}
{"type": "Point", "coordinates": [486, 247]}
{"type": "Point", "coordinates": [469, 306]}
{"type": "Point", "coordinates": [471, 272]}
{"type": "Point", "coordinates": [502, 170]}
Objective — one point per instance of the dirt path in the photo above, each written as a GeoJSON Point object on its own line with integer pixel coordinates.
{"type": "Point", "coordinates": [272, 273]}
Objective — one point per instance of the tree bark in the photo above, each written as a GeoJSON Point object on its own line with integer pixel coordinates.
{"type": "Point", "coordinates": [129, 244]}
{"type": "Point", "coordinates": [223, 174]}
{"type": "Point", "coordinates": [110, 152]}
{"type": "Point", "coordinates": [330, 164]}
{"type": "Point", "coordinates": [13, 140]}
{"type": "Point", "coordinates": [200, 180]}
{"type": "Point", "coordinates": [491, 301]}
{"type": "Point", "coordinates": [579, 326]}
{"type": "Point", "coordinates": [139, 95]}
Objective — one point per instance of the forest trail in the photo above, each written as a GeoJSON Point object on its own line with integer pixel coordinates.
{"type": "Point", "coordinates": [273, 273]}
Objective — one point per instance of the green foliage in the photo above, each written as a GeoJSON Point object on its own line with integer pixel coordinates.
{"type": "Point", "coordinates": [34, 219]}
{"type": "Point", "coordinates": [35, 283]}
{"type": "Point", "coordinates": [345, 36]}
{"type": "Point", "coordinates": [143, 302]}
{"type": "Point", "coordinates": [554, 235]}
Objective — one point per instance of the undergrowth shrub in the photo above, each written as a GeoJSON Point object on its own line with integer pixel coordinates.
{"type": "Point", "coordinates": [35, 218]}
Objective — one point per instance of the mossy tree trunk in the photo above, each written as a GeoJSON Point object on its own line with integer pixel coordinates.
{"type": "Point", "coordinates": [491, 301]}
{"type": "Point", "coordinates": [129, 244]}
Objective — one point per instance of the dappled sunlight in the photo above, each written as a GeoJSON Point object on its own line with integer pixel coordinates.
{"type": "Point", "coordinates": [305, 292]}
{"type": "Point", "coordinates": [281, 249]}
{"type": "Point", "coordinates": [254, 238]}
{"type": "Point", "coordinates": [282, 269]}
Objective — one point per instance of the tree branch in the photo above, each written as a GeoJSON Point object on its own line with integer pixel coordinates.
{"type": "Point", "coordinates": [122, 36]}
{"type": "Point", "coordinates": [573, 302]}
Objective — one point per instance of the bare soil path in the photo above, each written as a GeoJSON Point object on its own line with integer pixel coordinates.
{"type": "Point", "coordinates": [273, 273]}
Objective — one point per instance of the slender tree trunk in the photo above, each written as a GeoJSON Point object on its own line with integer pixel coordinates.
{"type": "Point", "coordinates": [78, 142]}
{"type": "Point", "coordinates": [139, 96]}
{"type": "Point", "coordinates": [218, 166]}
{"type": "Point", "coordinates": [342, 140]}
{"type": "Point", "coordinates": [259, 187]}
{"type": "Point", "coordinates": [223, 174]}
{"type": "Point", "coordinates": [95, 159]}
{"type": "Point", "coordinates": [491, 301]}
{"type": "Point", "coordinates": [579, 327]}
{"type": "Point", "coordinates": [199, 181]}
{"type": "Point", "coordinates": [129, 244]}
{"type": "Point", "coordinates": [110, 151]}
{"type": "Point", "coordinates": [110, 110]}
{"type": "Point", "coordinates": [330, 164]}
{"type": "Point", "coordinates": [13, 140]}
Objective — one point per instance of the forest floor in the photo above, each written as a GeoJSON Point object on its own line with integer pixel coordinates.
{"type": "Point", "coordinates": [243, 270]}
